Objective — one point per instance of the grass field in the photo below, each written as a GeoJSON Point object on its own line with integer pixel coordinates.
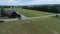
{"type": "Point", "coordinates": [22, 27]}
{"type": "Point", "coordinates": [32, 13]}
{"type": "Point", "coordinates": [52, 23]}
{"type": "Point", "coordinates": [7, 8]}
{"type": "Point", "coordinates": [34, 26]}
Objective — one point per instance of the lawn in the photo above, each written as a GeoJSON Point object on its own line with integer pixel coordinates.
{"type": "Point", "coordinates": [33, 26]}
{"type": "Point", "coordinates": [52, 23]}
{"type": "Point", "coordinates": [23, 27]}
{"type": "Point", "coordinates": [7, 8]}
{"type": "Point", "coordinates": [32, 13]}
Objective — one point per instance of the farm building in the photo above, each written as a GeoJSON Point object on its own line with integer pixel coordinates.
{"type": "Point", "coordinates": [9, 13]}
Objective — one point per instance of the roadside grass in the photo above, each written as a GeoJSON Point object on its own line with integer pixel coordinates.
{"type": "Point", "coordinates": [23, 27]}
{"type": "Point", "coordinates": [58, 17]}
{"type": "Point", "coordinates": [32, 13]}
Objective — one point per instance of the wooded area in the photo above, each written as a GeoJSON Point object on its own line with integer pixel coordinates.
{"type": "Point", "coordinates": [46, 8]}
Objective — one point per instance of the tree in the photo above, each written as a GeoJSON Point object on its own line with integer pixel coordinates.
{"type": "Point", "coordinates": [2, 12]}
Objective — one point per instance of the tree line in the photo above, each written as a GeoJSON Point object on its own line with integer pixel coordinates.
{"type": "Point", "coordinates": [46, 8]}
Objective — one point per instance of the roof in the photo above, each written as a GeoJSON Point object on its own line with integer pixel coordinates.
{"type": "Point", "coordinates": [9, 12]}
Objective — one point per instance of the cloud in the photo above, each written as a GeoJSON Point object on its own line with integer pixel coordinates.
{"type": "Point", "coordinates": [9, 2]}
{"type": "Point", "coordinates": [28, 2]}
{"type": "Point", "coordinates": [15, 2]}
{"type": "Point", "coordinates": [46, 2]}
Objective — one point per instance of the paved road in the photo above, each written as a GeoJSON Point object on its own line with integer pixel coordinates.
{"type": "Point", "coordinates": [22, 17]}
{"type": "Point", "coordinates": [43, 16]}
{"type": "Point", "coordinates": [25, 18]}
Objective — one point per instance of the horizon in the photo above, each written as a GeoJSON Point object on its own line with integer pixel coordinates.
{"type": "Point", "coordinates": [29, 5]}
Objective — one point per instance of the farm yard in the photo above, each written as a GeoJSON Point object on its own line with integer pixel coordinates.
{"type": "Point", "coordinates": [45, 25]}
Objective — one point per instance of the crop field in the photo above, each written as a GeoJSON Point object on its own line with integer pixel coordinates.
{"type": "Point", "coordinates": [32, 13]}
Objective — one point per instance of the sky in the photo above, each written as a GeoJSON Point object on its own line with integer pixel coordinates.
{"type": "Point", "coordinates": [28, 2]}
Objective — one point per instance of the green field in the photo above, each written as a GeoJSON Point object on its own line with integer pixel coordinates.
{"type": "Point", "coordinates": [52, 23]}
{"type": "Point", "coordinates": [32, 13]}
{"type": "Point", "coordinates": [7, 8]}
{"type": "Point", "coordinates": [33, 26]}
